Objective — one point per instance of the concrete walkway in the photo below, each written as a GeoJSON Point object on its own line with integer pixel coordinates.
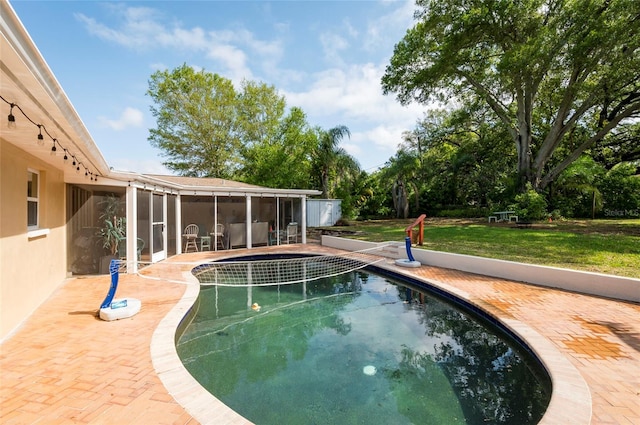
{"type": "Point", "coordinates": [66, 366]}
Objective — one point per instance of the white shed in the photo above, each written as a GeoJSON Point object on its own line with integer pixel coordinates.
{"type": "Point", "coordinates": [323, 212]}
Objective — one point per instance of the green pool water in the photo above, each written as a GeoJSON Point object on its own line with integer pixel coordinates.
{"type": "Point", "coordinates": [358, 348]}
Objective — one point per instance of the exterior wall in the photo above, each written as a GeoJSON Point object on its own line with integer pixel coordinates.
{"type": "Point", "coordinates": [31, 268]}
{"type": "Point", "coordinates": [323, 212]}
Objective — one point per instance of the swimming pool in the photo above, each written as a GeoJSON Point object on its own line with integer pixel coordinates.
{"type": "Point", "coordinates": [358, 348]}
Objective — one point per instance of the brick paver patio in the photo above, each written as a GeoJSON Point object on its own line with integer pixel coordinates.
{"type": "Point", "coordinates": [66, 366]}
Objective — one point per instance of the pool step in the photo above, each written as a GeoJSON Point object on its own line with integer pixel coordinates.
{"type": "Point", "coordinates": [393, 250]}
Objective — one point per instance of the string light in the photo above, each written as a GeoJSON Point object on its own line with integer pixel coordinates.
{"type": "Point", "coordinates": [11, 122]}
{"type": "Point", "coordinates": [11, 117]}
{"type": "Point", "coordinates": [40, 136]}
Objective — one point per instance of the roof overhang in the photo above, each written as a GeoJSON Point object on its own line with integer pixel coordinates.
{"type": "Point", "coordinates": [192, 186]}
{"type": "Point", "coordinates": [27, 81]}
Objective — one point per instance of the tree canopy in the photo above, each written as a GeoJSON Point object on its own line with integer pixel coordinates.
{"type": "Point", "coordinates": [197, 122]}
{"type": "Point", "coordinates": [283, 160]}
{"type": "Point", "coordinates": [560, 75]}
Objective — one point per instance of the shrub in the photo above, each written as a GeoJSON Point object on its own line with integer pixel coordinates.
{"type": "Point", "coordinates": [621, 190]}
{"type": "Point", "coordinates": [342, 222]}
{"type": "Point", "coordinates": [556, 215]}
{"type": "Point", "coordinates": [531, 205]}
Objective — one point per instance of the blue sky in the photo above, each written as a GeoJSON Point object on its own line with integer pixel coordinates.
{"type": "Point", "coordinates": [326, 57]}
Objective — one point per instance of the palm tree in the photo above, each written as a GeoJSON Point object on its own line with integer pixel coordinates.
{"type": "Point", "coordinates": [580, 182]}
{"type": "Point", "coordinates": [328, 156]}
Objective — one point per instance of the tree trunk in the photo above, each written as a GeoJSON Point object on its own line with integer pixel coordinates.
{"type": "Point", "coordinates": [416, 196]}
{"type": "Point", "coordinates": [524, 99]}
{"type": "Point", "coordinates": [325, 184]}
{"type": "Point", "coordinates": [400, 199]}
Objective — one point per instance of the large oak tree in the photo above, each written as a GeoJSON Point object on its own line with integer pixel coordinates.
{"type": "Point", "coordinates": [559, 74]}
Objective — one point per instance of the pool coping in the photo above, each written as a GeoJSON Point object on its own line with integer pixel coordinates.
{"type": "Point", "coordinates": [184, 388]}
{"type": "Point", "coordinates": [570, 399]}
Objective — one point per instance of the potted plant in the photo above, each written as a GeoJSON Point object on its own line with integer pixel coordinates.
{"type": "Point", "coordinates": [113, 229]}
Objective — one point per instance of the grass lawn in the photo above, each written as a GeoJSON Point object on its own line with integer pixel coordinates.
{"type": "Point", "coordinates": [604, 246]}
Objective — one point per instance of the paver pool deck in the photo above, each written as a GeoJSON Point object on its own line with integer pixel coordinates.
{"type": "Point", "coordinates": [64, 365]}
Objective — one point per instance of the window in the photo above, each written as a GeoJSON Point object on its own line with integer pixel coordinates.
{"type": "Point", "coordinates": [33, 192]}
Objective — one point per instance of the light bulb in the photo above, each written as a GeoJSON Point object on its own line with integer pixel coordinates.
{"type": "Point", "coordinates": [11, 118]}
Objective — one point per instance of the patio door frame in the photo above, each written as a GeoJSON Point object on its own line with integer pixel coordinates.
{"type": "Point", "coordinates": [157, 223]}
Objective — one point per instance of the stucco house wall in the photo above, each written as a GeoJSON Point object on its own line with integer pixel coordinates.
{"type": "Point", "coordinates": [33, 264]}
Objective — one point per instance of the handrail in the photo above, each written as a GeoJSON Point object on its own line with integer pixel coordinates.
{"type": "Point", "coordinates": [420, 222]}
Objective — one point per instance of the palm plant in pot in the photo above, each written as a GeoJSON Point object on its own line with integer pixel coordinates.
{"type": "Point", "coordinates": [113, 229]}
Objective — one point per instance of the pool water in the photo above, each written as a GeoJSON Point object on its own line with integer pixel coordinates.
{"type": "Point", "coordinates": [358, 348]}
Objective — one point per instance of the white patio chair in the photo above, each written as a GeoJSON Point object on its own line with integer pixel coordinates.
{"type": "Point", "coordinates": [218, 235]}
{"type": "Point", "coordinates": [292, 232]}
{"type": "Point", "coordinates": [190, 235]}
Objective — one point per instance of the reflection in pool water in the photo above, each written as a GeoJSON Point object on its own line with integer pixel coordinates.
{"type": "Point", "coordinates": [358, 348]}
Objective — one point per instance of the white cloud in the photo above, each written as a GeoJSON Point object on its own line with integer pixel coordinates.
{"type": "Point", "coordinates": [158, 66]}
{"type": "Point", "coordinates": [143, 28]}
{"type": "Point", "coordinates": [187, 39]}
{"type": "Point", "coordinates": [372, 147]}
{"type": "Point", "coordinates": [384, 137]}
{"type": "Point", "coordinates": [379, 30]}
{"type": "Point", "coordinates": [267, 49]}
{"type": "Point", "coordinates": [355, 94]}
{"type": "Point", "coordinates": [353, 97]}
{"type": "Point", "coordinates": [352, 149]}
{"type": "Point", "coordinates": [333, 45]}
{"type": "Point", "coordinates": [139, 27]}
{"type": "Point", "coordinates": [233, 59]}
{"type": "Point", "coordinates": [350, 29]}
{"type": "Point", "coordinates": [130, 117]}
